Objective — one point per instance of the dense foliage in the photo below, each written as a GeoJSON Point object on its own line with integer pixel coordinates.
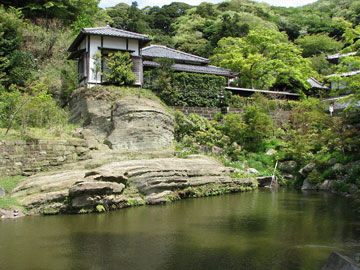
{"type": "Point", "coordinates": [264, 59]}
{"type": "Point", "coordinates": [34, 109]}
{"type": "Point", "coordinates": [269, 47]}
{"type": "Point", "coordinates": [119, 69]}
{"type": "Point", "coordinates": [69, 12]}
{"type": "Point", "coordinates": [185, 89]}
{"type": "Point", "coordinates": [310, 136]}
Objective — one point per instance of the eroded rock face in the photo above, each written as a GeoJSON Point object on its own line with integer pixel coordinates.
{"type": "Point", "coordinates": [288, 166]}
{"type": "Point", "coordinates": [308, 186]}
{"type": "Point", "coordinates": [93, 113]}
{"type": "Point", "coordinates": [121, 184]}
{"type": "Point", "coordinates": [264, 181]}
{"type": "Point", "coordinates": [307, 169]}
{"type": "Point", "coordinates": [140, 124]}
{"type": "Point", "coordinates": [126, 124]}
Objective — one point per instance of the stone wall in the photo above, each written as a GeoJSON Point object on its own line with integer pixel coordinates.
{"type": "Point", "coordinates": [209, 113]}
{"type": "Point", "coordinates": [29, 157]}
{"type": "Point", "coordinates": [278, 117]}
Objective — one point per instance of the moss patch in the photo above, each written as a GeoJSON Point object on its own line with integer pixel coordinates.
{"type": "Point", "coordinates": [9, 183]}
{"type": "Point", "coordinates": [113, 93]}
{"type": "Point", "coordinates": [214, 190]}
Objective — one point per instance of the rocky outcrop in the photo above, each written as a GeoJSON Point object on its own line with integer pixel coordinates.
{"type": "Point", "coordinates": [126, 183]}
{"type": "Point", "coordinates": [337, 261]}
{"type": "Point", "coordinates": [305, 171]}
{"type": "Point", "coordinates": [308, 186]}
{"type": "Point", "coordinates": [325, 186]}
{"type": "Point", "coordinates": [124, 124]}
{"type": "Point", "coordinates": [264, 181]}
{"type": "Point", "coordinates": [10, 214]}
{"type": "Point", "coordinates": [288, 166]}
{"type": "Point", "coordinates": [140, 124]}
{"type": "Point", "coordinates": [92, 112]}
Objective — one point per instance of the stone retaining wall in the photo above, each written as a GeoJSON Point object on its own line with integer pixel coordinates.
{"type": "Point", "coordinates": [29, 157]}
{"type": "Point", "coordinates": [209, 113]}
{"type": "Point", "coordinates": [278, 117]}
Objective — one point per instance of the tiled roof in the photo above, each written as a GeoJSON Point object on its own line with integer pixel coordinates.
{"type": "Point", "coordinates": [346, 74]}
{"type": "Point", "coordinates": [262, 91]}
{"type": "Point", "coordinates": [316, 84]}
{"type": "Point", "coordinates": [207, 69]}
{"type": "Point", "coordinates": [339, 55]}
{"type": "Point", "coordinates": [114, 32]}
{"type": "Point", "coordinates": [160, 51]}
{"type": "Point", "coordinates": [341, 102]}
{"type": "Point", "coordinates": [106, 31]}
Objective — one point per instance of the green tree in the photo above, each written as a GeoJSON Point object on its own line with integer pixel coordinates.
{"type": "Point", "coordinates": [162, 18]}
{"type": "Point", "coordinates": [321, 65]}
{"type": "Point", "coordinates": [350, 63]}
{"type": "Point", "coordinates": [65, 10]}
{"type": "Point", "coordinates": [318, 44]}
{"type": "Point", "coordinates": [16, 66]}
{"type": "Point", "coordinates": [119, 69]}
{"type": "Point", "coordinates": [162, 81]}
{"type": "Point", "coordinates": [250, 128]}
{"type": "Point", "coordinates": [264, 59]}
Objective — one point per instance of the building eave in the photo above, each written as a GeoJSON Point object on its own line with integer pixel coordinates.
{"type": "Point", "coordinates": [108, 32]}
{"type": "Point", "coordinates": [237, 89]}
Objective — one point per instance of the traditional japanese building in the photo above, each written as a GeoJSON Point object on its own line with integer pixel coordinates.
{"type": "Point", "coordinates": [183, 62]}
{"type": "Point", "coordinates": [339, 84]}
{"type": "Point", "coordinates": [105, 40]}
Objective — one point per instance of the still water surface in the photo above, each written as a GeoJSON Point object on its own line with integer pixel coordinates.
{"type": "Point", "coordinates": [287, 230]}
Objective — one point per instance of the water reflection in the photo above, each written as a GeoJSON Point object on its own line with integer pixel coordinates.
{"type": "Point", "coordinates": [258, 230]}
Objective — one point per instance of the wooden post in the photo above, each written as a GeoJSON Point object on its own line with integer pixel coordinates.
{"type": "Point", "coordinates": [274, 182]}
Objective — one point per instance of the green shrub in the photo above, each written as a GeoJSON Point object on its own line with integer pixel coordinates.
{"type": "Point", "coordinates": [195, 130]}
{"type": "Point", "coordinates": [119, 69]}
{"type": "Point", "coordinates": [185, 89]}
{"type": "Point", "coordinates": [34, 109]}
{"type": "Point", "coordinates": [353, 175]}
{"type": "Point", "coordinates": [47, 42]}
{"type": "Point", "coordinates": [315, 177]}
{"type": "Point", "coordinates": [197, 90]}
{"type": "Point", "coordinates": [9, 182]}
{"type": "Point", "coordinates": [100, 208]}
{"type": "Point", "coordinates": [341, 187]}
{"type": "Point", "coordinates": [250, 128]}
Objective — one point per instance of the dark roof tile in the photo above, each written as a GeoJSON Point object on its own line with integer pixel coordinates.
{"type": "Point", "coordinates": [160, 51]}
{"type": "Point", "coordinates": [316, 84]}
{"type": "Point", "coordinates": [195, 68]}
{"type": "Point", "coordinates": [115, 32]}
{"type": "Point", "coordinates": [106, 31]}
{"type": "Point", "coordinates": [339, 55]}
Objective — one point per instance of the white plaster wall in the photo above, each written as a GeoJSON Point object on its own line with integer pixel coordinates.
{"type": "Point", "coordinates": [95, 42]}
{"type": "Point", "coordinates": [82, 44]}
{"type": "Point", "coordinates": [114, 43]}
{"type": "Point", "coordinates": [134, 45]}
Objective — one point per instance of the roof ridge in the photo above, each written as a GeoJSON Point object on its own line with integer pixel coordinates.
{"type": "Point", "coordinates": [114, 29]}
{"type": "Point", "coordinates": [339, 54]}
{"type": "Point", "coordinates": [344, 74]}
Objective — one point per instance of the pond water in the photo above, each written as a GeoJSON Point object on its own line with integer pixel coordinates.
{"type": "Point", "coordinates": [256, 230]}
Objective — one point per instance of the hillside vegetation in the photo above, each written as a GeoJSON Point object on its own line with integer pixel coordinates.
{"type": "Point", "coordinates": [268, 47]}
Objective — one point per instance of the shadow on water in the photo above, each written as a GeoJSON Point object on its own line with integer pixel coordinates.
{"type": "Point", "coordinates": [257, 230]}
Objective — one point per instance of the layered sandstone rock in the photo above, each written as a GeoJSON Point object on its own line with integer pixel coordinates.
{"type": "Point", "coordinates": [133, 182]}
{"type": "Point", "coordinates": [128, 123]}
